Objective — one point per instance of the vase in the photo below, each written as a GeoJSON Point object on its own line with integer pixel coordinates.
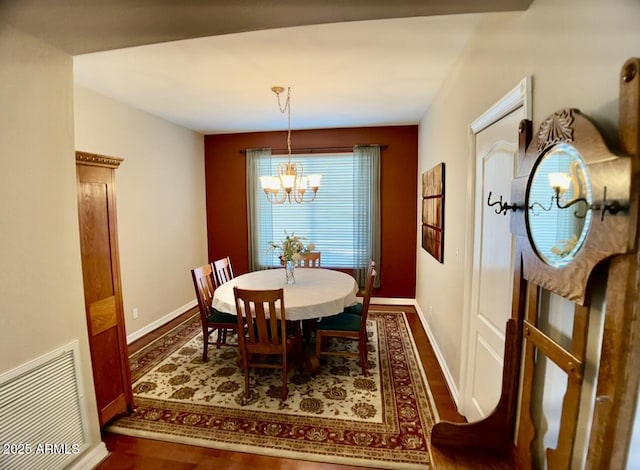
{"type": "Point", "coordinates": [289, 269]}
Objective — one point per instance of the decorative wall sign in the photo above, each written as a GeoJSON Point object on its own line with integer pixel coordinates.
{"type": "Point", "coordinates": [433, 211]}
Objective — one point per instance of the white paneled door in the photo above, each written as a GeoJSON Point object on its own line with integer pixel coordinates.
{"type": "Point", "coordinates": [490, 292]}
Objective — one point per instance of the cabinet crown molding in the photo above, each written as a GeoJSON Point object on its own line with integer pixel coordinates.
{"type": "Point", "coordinates": [86, 158]}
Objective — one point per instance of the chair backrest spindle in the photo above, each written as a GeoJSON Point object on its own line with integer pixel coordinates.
{"type": "Point", "coordinates": [223, 269]}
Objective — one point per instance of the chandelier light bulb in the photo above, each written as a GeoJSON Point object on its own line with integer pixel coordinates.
{"type": "Point", "coordinates": [288, 181]}
{"type": "Point", "coordinates": [559, 181]}
{"type": "Point", "coordinates": [314, 181]}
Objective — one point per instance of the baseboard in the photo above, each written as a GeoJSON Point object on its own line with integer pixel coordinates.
{"type": "Point", "coordinates": [160, 321]}
{"type": "Point", "coordinates": [392, 301]}
{"type": "Point", "coordinates": [91, 458]}
{"type": "Point", "coordinates": [455, 394]}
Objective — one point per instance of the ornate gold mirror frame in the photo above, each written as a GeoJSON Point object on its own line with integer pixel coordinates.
{"type": "Point", "coordinates": [609, 246]}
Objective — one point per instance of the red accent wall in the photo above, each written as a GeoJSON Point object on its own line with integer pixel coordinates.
{"type": "Point", "coordinates": [226, 190]}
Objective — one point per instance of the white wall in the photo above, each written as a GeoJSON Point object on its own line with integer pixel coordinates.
{"type": "Point", "coordinates": [41, 296]}
{"type": "Point", "coordinates": [574, 50]}
{"type": "Point", "coordinates": [160, 185]}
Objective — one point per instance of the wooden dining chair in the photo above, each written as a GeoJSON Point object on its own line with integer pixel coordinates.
{"type": "Point", "coordinates": [211, 319]}
{"type": "Point", "coordinates": [348, 325]}
{"type": "Point", "coordinates": [311, 260]}
{"type": "Point", "coordinates": [263, 313]}
{"type": "Point", "coordinates": [223, 269]}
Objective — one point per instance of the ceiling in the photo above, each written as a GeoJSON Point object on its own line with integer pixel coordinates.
{"type": "Point", "coordinates": [209, 65]}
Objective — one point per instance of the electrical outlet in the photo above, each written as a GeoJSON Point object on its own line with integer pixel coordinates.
{"type": "Point", "coordinates": [135, 313]}
{"type": "Point", "coordinates": [430, 310]}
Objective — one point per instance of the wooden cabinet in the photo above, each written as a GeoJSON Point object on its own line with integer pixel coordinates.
{"type": "Point", "coordinates": [102, 287]}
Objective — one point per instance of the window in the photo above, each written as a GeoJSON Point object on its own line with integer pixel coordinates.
{"type": "Point", "coordinates": [340, 222]}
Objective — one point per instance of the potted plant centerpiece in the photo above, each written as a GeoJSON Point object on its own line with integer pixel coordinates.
{"type": "Point", "coordinates": [291, 249]}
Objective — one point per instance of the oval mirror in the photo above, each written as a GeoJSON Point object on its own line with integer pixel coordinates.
{"type": "Point", "coordinates": [558, 205]}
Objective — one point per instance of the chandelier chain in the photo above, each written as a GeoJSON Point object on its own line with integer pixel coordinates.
{"type": "Point", "coordinates": [287, 109]}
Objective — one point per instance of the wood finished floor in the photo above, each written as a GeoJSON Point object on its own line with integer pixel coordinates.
{"type": "Point", "coordinates": [146, 454]}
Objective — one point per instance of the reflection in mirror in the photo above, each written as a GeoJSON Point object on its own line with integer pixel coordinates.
{"type": "Point", "coordinates": [559, 200]}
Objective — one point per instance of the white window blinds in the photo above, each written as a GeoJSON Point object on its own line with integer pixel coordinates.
{"type": "Point", "coordinates": [328, 221]}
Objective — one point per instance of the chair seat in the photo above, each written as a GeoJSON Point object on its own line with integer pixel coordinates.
{"type": "Point", "coordinates": [354, 309]}
{"type": "Point", "coordinates": [217, 316]}
{"type": "Point", "coordinates": [341, 322]}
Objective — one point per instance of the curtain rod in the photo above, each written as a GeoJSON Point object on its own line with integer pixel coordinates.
{"type": "Point", "coordinates": [314, 150]}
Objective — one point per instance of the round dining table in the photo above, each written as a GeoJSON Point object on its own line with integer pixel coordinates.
{"type": "Point", "coordinates": [316, 293]}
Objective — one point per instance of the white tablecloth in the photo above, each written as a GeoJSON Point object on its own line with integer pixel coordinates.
{"type": "Point", "coordinates": [316, 293]}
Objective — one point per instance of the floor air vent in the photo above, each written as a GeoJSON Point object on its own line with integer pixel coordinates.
{"type": "Point", "coordinates": [42, 419]}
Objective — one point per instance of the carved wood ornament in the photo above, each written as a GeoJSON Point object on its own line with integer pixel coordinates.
{"type": "Point", "coordinates": [94, 159]}
{"type": "Point", "coordinates": [555, 129]}
{"type": "Point", "coordinates": [609, 248]}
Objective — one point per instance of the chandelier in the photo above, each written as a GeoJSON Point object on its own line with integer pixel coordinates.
{"type": "Point", "coordinates": [290, 183]}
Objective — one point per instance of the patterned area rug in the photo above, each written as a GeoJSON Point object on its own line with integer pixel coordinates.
{"type": "Point", "coordinates": [338, 416]}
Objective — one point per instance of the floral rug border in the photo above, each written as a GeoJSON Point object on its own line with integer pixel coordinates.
{"type": "Point", "coordinates": [400, 441]}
